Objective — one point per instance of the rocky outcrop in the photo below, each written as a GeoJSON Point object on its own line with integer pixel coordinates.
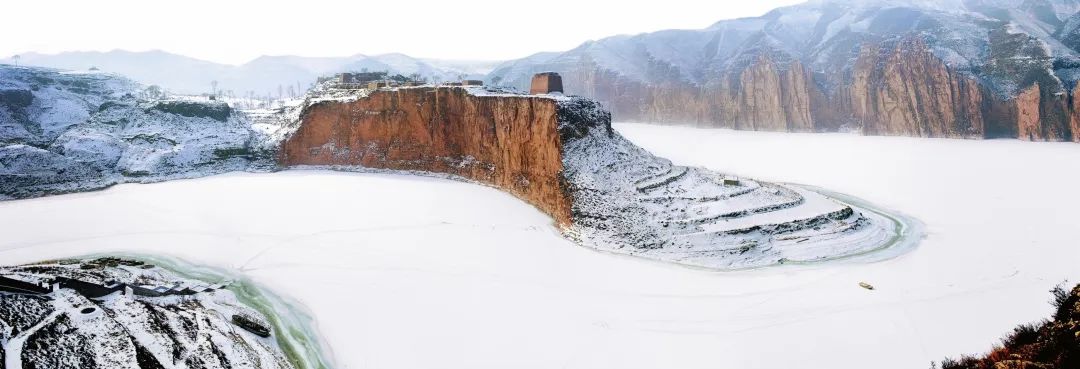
{"type": "Point", "coordinates": [1074, 117]}
{"type": "Point", "coordinates": [1028, 122]}
{"type": "Point", "coordinates": [904, 90]}
{"type": "Point", "coordinates": [766, 96]}
{"type": "Point", "coordinates": [511, 141]}
{"type": "Point", "coordinates": [561, 155]}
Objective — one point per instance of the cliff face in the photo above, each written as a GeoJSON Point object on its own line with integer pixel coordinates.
{"type": "Point", "coordinates": [511, 142]}
{"type": "Point", "coordinates": [969, 69]}
{"type": "Point", "coordinates": [904, 90]}
{"type": "Point", "coordinates": [897, 88]}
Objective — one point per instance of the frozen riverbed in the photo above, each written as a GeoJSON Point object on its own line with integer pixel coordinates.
{"type": "Point", "coordinates": [411, 272]}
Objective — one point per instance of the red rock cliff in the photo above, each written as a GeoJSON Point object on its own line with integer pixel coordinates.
{"type": "Point", "coordinates": [511, 142]}
{"type": "Point", "coordinates": [894, 88]}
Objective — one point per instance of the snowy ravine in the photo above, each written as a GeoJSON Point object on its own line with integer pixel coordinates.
{"type": "Point", "coordinates": [628, 201]}
{"type": "Point", "coordinates": [110, 312]}
{"type": "Point", "coordinates": [76, 131]}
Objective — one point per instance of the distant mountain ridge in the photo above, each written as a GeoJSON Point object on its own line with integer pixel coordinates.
{"type": "Point", "coordinates": [263, 75]}
{"type": "Point", "coordinates": [939, 68]}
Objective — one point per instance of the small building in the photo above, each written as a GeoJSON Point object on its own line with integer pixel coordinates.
{"type": "Point", "coordinates": [472, 82]}
{"type": "Point", "coordinates": [375, 85]}
{"type": "Point", "coordinates": [546, 83]}
{"type": "Point", "coordinates": [361, 78]}
{"type": "Point", "coordinates": [731, 182]}
{"type": "Point", "coordinates": [89, 289]}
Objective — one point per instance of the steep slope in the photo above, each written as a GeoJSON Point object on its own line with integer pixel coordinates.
{"type": "Point", "coordinates": [508, 142]}
{"type": "Point", "coordinates": [971, 68]}
{"type": "Point", "coordinates": [561, 155]}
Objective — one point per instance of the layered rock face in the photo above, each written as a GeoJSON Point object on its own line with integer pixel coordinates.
{"type": "Point", "coordinates": [561, 155]}
{"type": "Point", "coordinates": [969, 69]}
{"type": "Point", "coordinates": [511, 142]}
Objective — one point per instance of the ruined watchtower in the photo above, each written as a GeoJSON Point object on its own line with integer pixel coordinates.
{"type": "Point", "coordinates": [546, 83]}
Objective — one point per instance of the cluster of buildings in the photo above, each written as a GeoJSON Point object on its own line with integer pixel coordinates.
{"type": "Point", "coordinates": [97, 290]}
{"type": "Point", "coordinates": [542, 83]}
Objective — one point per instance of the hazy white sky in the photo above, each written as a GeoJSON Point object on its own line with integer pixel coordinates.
{"type": "Point", "coordinates": [240, 30]}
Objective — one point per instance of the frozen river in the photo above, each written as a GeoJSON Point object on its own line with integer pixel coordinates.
{"type": "Point", "coordinates": [411, 272]}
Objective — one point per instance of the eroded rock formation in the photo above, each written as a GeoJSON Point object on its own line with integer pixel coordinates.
{"type": "Point", "coordinates": [561, 155]}
{"type": "Point", "coordinates": [510, 142]}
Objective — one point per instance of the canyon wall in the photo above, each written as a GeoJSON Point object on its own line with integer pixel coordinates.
{"type": "Point", "coordinates": [896, 88]}
{"type": "Point", "coordinates": [510, 142]}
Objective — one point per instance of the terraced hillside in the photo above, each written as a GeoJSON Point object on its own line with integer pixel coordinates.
{"type": "Point", "coordinates": [627, 200]}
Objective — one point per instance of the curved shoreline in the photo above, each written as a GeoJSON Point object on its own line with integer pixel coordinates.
{"type": "Point", "coordinates": [908, 233]}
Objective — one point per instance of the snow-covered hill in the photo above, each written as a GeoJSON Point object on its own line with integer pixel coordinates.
{"type": "Point", "coordinates": [72, 131]}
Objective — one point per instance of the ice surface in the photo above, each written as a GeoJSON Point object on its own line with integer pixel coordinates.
{"type": "Point", "coordinates": [408, 272]}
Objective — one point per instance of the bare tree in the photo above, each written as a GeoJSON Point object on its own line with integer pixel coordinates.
{"type": "Point", "coordinates": [16, 59]}
{"type": "Point", "coordinates": [496, 80]}
{"type": "Point", "coordinates": [213, 87]}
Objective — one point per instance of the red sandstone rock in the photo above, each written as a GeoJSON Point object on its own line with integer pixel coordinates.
{"type": "Point", "coordinates": [511, 142]}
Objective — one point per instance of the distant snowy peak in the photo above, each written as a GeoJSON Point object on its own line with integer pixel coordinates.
{"type": "Point", "coordinates": [265, 75]}
{"type": "Point", "coordinates": [824, 34]}
{"type": "Point", "coordinates": [981, 68]}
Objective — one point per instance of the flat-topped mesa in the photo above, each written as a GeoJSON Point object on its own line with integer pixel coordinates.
{"type": "Point", "coordinates": [561, 155]}
{"type": "Point", "coordinates": [508, 141]}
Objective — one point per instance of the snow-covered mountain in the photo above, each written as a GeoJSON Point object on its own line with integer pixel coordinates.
{"type": "Point", "coordinates": [953, 68]}
{"type": "Point", "coordinates": [266, 75]}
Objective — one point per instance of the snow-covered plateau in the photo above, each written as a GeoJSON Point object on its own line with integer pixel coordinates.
{"type": "Point", "coordinates": [417, 272]}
